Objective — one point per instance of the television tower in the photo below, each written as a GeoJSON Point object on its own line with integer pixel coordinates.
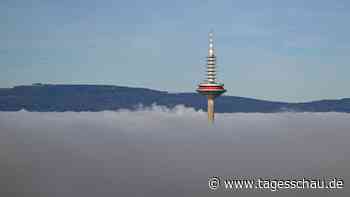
{"type": "Point", "coordinates": [210, 87]}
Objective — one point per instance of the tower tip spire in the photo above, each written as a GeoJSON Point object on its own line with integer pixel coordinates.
{"type": "Point", "coordinates": [211, 44]}
{"type": "Point", "coordinates": [211, 33]}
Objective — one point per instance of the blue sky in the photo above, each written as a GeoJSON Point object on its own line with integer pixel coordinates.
{"type": "Point", "coordinates": [276, 50]}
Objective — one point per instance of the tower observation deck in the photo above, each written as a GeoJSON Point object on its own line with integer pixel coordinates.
{"type": "Point", "coordinates": [210, 87]}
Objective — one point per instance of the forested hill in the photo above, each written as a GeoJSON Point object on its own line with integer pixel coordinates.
{"type": "Point", "coordinates": [45, 97]}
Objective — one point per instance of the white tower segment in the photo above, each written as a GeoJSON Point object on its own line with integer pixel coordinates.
{"type": "Point", "coordinates": [211, 61]}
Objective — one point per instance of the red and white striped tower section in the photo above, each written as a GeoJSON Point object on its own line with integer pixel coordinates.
{"type": "Point", "coordinates": [211, 88]}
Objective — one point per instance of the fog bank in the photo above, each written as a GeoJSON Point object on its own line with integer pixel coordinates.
{"type": "Point", "coordinates": [163, 152]}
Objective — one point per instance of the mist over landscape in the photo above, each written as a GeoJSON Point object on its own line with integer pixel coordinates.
{"type": "Point", "coordinates": [116, 98]}
{"type": "Point", "coordinates": [158, 151]}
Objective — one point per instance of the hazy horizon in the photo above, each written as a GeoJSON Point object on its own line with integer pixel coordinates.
{"type": "Point", "coordinates": [176, 92]}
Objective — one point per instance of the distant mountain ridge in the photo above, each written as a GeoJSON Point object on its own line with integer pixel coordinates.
{"type": "Point", "coordinates": [48, 98]}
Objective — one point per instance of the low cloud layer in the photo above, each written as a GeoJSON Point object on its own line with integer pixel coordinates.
{"type": "Point", "coordinates": [163, 152]}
